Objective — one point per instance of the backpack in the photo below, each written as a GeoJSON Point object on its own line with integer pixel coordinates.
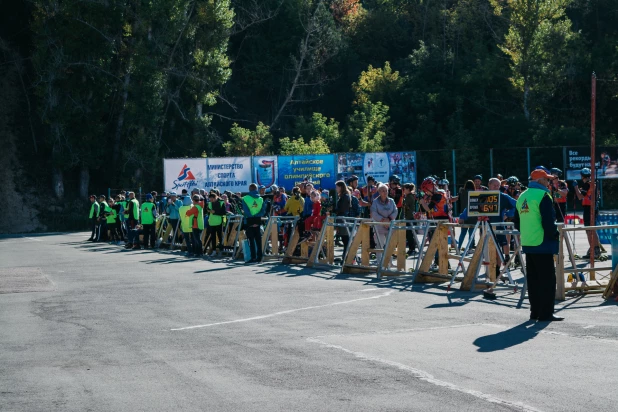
{"type": "Point", "coordinates": [354, 207]}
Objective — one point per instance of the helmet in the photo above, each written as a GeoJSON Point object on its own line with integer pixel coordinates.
{"type": "Point", "coordinates": [512, 181]}
{"type": "Point", "coordinates": [443, 182]}
{"type": "Point", "coordinates": [428, 184]}
{"type": "Point", "coordinates": [556, 172]}
{"type": "Point", "coordinates": [542, 168]}
{"type": "Point", "coordinates": [394, 178]}
{"type": "Point", "coordinates": [586, 172]}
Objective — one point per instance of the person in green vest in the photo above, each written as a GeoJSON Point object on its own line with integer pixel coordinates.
{"type": "Point", "coordinates": [113, 223]}
{"type": "Point", "coordinates": [148, 216]}
{"type": "Point", "coordinates": [535, 218]}
{"type": "Point", "coordinates": [133, 211]}
{"type": "Point", "coordinates": [216, 212]}
{"type": "Point", "coordinates": [186, 223]}
{"type": "Point", "coordinates": [253, 207]}
{"type": "Point", "coordinates": [196, 213]}
{"type": "Point", "coordinates": [104, 209]}
{"type": "Point", "coordinates": [123, 213]}
{"type": "Point", "coordinates": [93, 216]}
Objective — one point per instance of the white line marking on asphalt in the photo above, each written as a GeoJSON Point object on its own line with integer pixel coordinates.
{"type": "Point", "coordinates": [285, 312]}
{"type": "Point", "coordinates": [427, 377]}
{"type": "Point", "coordinates": [589, 326]}
{"type": "Point", "coordinates": [370, 290]}
{"type": "Point", "coordinates": [31, 238]}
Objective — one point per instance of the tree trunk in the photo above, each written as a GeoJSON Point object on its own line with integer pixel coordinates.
{"type": "Point", "coordinates": [84, 181]}
{"type": "Point", "coordinates": [120, 123]}
{"type": "Point", "coordinates": [526, 93]}
{"type": "Point", "coordinates": [58, 183]}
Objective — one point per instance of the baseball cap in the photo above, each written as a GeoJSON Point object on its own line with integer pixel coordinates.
{"type": "Point", "coordinates": [262, 187]}
{"type": "Point", "coordinates": [148, 196]}
{"type": "Point", "coordinates": [540, 174]}
{"type": "Point", "coordinates": [479, 177]}
{"type": "Point", "coordinates": [173, 194]}
{"type": "Point", "coordinates": [102, 197]}
{"type": "Point", "coordinates": [352, 178]}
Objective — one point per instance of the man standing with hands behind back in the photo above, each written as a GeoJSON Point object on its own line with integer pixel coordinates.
{"type": "Point", "coordinates": [535, 219]}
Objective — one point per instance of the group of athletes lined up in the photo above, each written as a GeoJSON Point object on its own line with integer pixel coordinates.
{"type": "Point", "coordinates": [122, 218]}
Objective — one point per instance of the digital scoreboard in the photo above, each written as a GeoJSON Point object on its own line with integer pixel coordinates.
{"type": "Point", "coordinates": [484, 203]}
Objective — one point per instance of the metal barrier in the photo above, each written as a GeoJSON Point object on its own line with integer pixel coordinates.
{"type": "Point", "coordinates": [323, 251]}
{"type": "Point", "coordinates": [292, 256]}
{"type": "Point", "coordinates": [577, 272]}
{"type": "Point", "coordinates": [355, 264]}
{"type": "Point", "coordinates": [396, 244]}
{"type": "Point", "coordinates": [275, 228]}
{"type": "Point", "coordinates": [232, 236]}
{"type": "Point", "coordinates": [497, 266]}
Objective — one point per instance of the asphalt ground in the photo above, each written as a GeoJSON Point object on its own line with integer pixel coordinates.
{"type": "Point", "coordinates": [93, 327]}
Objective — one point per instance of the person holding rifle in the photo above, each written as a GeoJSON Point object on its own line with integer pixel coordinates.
{"type": "Point", "coordinates": [559, 191]}
{"type": "Point", "coordinates": [584, 193]}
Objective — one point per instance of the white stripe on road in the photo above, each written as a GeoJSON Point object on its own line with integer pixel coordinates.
{"type": "Point", "coordinates": [589, 327]}
{"type": "Point", "coordinates": [285, 312]}
{"type": "Point", "coordinates": [427, 377]}
{"type": "Point", "coordinates": [31, 238]}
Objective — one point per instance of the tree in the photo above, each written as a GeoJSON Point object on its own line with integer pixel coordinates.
{"type": "Point", "coordinates": [537, 44]}
{"type": "Point", "coordinates": [367, 128]}
{"type": "Point", "coordinates": [320, 43]}
{"type": "Point", "coordinates": [245, 142]}
{"type": "Point", "coordinates": [299, 146]}
{"type": "Point", "coordinates": [319, 127]}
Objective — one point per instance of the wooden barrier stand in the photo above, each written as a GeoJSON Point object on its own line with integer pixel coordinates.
{"type": "Point", "coordinates": [396, 244]}
{"type": "Point", "coordinates": [271, 234]}
{"type": "Point", "coordinates": [323, 251]}
{"type": "Point", "coordinates": [592, 285]}
{"type": "Point", "coordinates": [361, 239]}
{"type": "Point", "coordinates": [303, 257]}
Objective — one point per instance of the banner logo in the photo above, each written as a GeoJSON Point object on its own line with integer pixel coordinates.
{"type": "Point", "coordinates": [185, 174]}
{"type": "Point", "coordinates": [185, 179]}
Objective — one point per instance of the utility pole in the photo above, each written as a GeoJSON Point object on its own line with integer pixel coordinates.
{"type": "Point", "coordinates": [593, 103]}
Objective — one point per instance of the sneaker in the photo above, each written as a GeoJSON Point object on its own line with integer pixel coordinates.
{"type": "Point", "coordinates": [128, 246]}
{"type": "Point", "coordinates": [434, 268]}
{"type": "Point", "coordinates": [213, 254]}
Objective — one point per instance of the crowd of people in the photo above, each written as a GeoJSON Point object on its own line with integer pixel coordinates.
{"type": "Point", "coordinates": [123, 219]}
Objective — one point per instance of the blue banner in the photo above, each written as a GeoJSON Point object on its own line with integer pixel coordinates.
{"type": "Point", "coordinates": [320, 169]}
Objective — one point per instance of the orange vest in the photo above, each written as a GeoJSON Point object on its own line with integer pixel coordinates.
{"type": "Point", "coordinates": [441, 208]}
{"type": "Point", "coordinates": [556, 195]}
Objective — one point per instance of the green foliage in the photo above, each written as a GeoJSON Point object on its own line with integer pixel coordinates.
{"type": "Point", "coordinates": [537, 43]}
{"type": "Point", "coordinates": [116, 86]}
{"type": "Point", "coordinates": [245, 142]}
{"type": "Point", "coordinates": [319, 127]}
{"type": "Point", "coordinates": [299, 146]}
{"type": "Point", "coordinates": [367, 128]}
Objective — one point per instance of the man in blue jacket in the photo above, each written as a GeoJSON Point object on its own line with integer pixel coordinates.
{"type": "Point", "coordinates": [172, 210]}
{"type": "Point", "coordinates": [536, 220]}
{"type": "Point", "coordinates": [254, 208]}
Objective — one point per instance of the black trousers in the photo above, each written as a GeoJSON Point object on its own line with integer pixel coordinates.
{"type": "Point", "coordinates": [411, 238]}
{"type": "Point", "coordinates": [93, 227]}
{"type": "Point", "coordinates": [174, 224]}
{"type": "Point", "coordinates": [149, 235]}
{"type": "Point", "coordinates": [541, 275]}
{"type": "Point", "coordinates": [560, 209]}
{"type": "Point", "coordinates": [102, 230]}
{"type": "Point", "coordinates": [216, 232]}
{"type": "Point", "coordinates": [115, 231]}
{"type": "Point", "coordinates": [254, 235]}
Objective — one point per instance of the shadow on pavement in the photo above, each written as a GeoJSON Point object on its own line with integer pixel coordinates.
{"type": "Point", "coordinates": [511, 337]}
